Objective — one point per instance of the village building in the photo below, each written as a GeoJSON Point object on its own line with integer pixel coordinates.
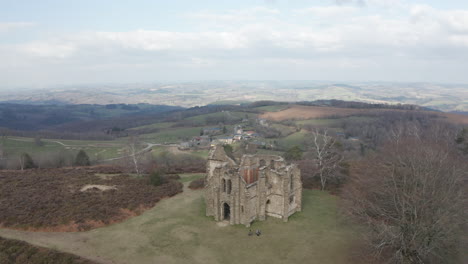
{"type": "Point", "coordinates": [238, 130]}
{"type": "Point", "coordinates": [195, 142]}
{"type": "Point", "coordinates": [255, 188]}
{"type": "Point", "coordinates": [249, 134]}
{"type": "Point", "coordinates": [224, 140]}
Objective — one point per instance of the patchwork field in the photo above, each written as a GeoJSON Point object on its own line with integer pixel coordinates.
{"type": "Point", "coordinates": [177, 231]}
{"type": "Point", "coordinates": [308, 112]}
{"type": "Point", "coordinates": [300, 112]}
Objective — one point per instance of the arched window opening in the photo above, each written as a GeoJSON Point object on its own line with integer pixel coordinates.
{"type": "Point", "coordinates": [267, 206]}
{"type": "Point", "coordinates": [226, 211]}
{"type": "Point", "coordinates": [229, 187]}
{"type": "Point", "coordinates": [242, 208]}
{"type": "Point", "coordinates": [291, 199]}
{"type": "Point", "coordinates": [224, 185]}
{"type": "Point", "coordinates": [291, 183]}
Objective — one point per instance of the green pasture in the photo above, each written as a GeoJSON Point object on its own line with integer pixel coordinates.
{"type": "Point", "coordinates": [298, 138]}
{"type": "Point", "coordinates": [172, 135]}
{"type": "Point", "coordinates": [162, 125]}
{"type": "Point", "coordinates": [228, 115]}
{"type": "Point", "coordinates": [96, 150]}
{"type": "Point", "coordinates": [272, 108]}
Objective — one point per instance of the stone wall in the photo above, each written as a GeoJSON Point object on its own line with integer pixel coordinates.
{"type": "Point", "coordinates": [258, 187]}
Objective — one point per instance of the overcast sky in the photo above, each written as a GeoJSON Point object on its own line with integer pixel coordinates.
{"type": "Point", "coordinates": [53, 42]}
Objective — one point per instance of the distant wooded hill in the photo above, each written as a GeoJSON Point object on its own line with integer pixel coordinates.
{"type": "Point", "coordinates": [114, 120]}
{"type": "Point", "coordinates": [29, 117]}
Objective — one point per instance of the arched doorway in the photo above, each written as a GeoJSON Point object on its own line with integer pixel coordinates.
{"type": "Point", "coordinates": [267, 206]}
{"type": "Point", "coordinates": [226, 211]}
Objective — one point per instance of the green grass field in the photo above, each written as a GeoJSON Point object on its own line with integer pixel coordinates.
{"type": "Point", "coordinates": [176, 230]}
{"type": "Point", "coordinates": [297, 138]}
{"type": "Point", "coordinates": [272, 108]}
{"type": "Point", "coordinates": [161, 125]}
{"type": "Point", "coordinates": [201, 119]}
{"type": "Point", "coordinates": [188, 177]}
{"type": "Point", "coordinates": [17, 145]}
{"type": "Point", "coordinates": [172, 135]}
{"type": "Point", "coordinates": [96, 150]}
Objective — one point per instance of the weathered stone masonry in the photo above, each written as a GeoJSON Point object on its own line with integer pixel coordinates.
{"type": "Point", "coordinates": [257, 187]}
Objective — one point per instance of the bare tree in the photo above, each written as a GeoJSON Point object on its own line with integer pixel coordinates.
{"type": "Point", "coordinates": [21, 160]}
{"type": "Point", "coordinates": [326, 156]}
{"type": "Point", "coordinates": [411, 196]}
{"type": "Point", "coordinates": [132, 151]}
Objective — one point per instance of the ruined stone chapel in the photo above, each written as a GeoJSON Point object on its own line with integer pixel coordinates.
{"type": "Point", "coordinates": [256, 187]}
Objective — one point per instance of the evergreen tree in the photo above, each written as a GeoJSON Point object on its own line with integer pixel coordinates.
{"type": "Point", "coordinates": [294, 153]}
{"type": "Point", "coordinates": [156, 178]}
{"type": "Point", "coordinates": [229, 150]}
{"type": "Point", "coordinates": [82, 159]}
{"type": "Point", "coordinates": [27, 162]}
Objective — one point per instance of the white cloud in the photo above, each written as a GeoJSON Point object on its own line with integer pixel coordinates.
{"type": "Point", "coordinates": [360, 35]}
{"type": "Point", "coordinates": [9, 26]}
{"type": "Point", "coordinates": [380, 3]}
{"type": "Point", "coordinates": [59, 50]}
{"type": "Point", "coordinates": [241, 16]}
{"type": "Point", "coordinates": [329, 11]}
{"type": "Point", "coordinates": [343, 38]}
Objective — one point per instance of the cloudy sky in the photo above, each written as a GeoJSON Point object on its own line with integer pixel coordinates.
{"type": "Point", "coordinates": [53, 42]}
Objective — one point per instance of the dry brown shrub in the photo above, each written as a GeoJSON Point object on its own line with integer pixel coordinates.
{"type": "Point", "coordinates": [197, 184]}
{"type": "Point", "coordinates": [15, 251]}
{"type": "Point", "coordinates": [51, 200]}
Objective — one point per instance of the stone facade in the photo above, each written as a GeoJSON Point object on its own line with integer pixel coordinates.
{"type": "Point", "coordinates": [256, 187]}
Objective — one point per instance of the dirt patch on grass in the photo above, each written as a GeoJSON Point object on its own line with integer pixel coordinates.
{"type": "Point", "coordinates": [74, 199]}
{"type": "Point", "coordinates": [97, 187]}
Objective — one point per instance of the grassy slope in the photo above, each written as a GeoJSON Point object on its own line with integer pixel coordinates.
{"type": "Point", "coordinates": [188, 177]}
{"type": "Point", "coordinates": [14, 146]}
{"type": "Point", "coordinates": [297, 138]}
{"type": "Point", "coordinates": [272, 108]}
{"type": "Point", "coordinates": [177, 231]}
{"type": "Point", "coordinates": [201, 119]}
{"type": "Point", "coordinates": [161, 125]}
{"type": "Point", "coordinates": [172, 135]}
